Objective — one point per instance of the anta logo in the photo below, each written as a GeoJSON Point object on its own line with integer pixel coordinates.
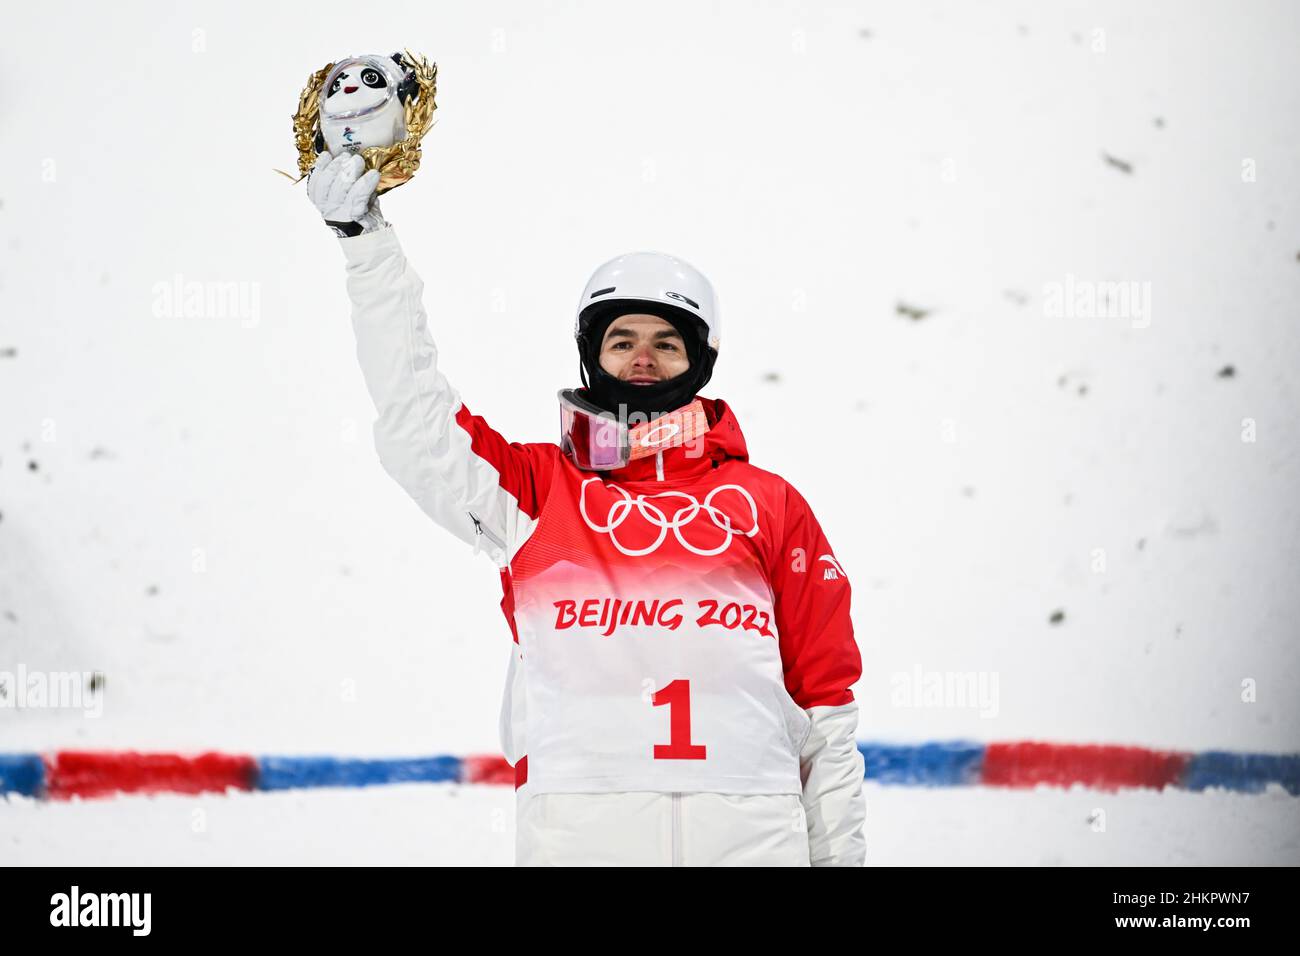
{"type": "Point", "coordinates": [834, 572]}
{"type": "Point", "coordinates": [639, 525]}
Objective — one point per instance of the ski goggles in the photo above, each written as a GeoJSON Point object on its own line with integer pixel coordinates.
{"type": "Point", "coordinates": [596, 440]}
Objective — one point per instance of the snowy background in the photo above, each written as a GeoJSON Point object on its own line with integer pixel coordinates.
{"type": "Point", "coordinates": [1096, 513]}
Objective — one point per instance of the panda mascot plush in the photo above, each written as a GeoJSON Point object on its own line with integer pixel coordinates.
{"type": "Point", "coordinates": [374, 107]}
{"type": "Point", "coordinates": [362, 104]}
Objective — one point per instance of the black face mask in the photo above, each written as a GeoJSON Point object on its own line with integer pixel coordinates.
{"type": "Point", "coordinates": [647, 402]}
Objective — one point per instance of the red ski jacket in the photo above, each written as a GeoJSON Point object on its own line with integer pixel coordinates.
{"type": "Point", "coordinates": [683, 654]}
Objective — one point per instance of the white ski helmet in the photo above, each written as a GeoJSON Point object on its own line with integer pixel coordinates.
{"type": "Point", "coordinates": [653, 278]}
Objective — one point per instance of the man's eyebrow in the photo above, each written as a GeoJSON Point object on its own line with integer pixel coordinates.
{"type": "Point", "coordinates": [661, 334]}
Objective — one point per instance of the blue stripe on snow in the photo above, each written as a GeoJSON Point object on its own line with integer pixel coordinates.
{"type": "Point", "coordinates": [947, 764]}
{"type": "Point", "coordinates": [283, 773]}
{"type": "Point", "coordinates": [1250, 773]}
{"type": "Point", "coordinates": [22, 773]}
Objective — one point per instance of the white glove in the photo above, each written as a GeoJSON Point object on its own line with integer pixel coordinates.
{"type": "Point", "coordinates": [344, 195]}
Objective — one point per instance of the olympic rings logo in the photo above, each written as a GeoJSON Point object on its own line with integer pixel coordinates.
{"type": "Point", "coordinates": [681, 518]}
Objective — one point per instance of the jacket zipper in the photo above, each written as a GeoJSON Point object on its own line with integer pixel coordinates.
{"type": "Point", "coordinates": [482, 532]}
{"type": "Point", "coordinates": [677, 829]}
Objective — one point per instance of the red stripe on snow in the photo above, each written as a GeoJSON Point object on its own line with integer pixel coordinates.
{"type": "Point", "coordinates": [486, 768]}
{"type": "Point", "coordinates": [70, 773]}
{"type": "Point", "coordinates": [1104, 767]}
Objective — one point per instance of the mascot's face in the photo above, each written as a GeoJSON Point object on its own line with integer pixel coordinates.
{"type": "Point", "coordinates": [359, 106]}
{"type": "Point", "coordinates": [355, 87]}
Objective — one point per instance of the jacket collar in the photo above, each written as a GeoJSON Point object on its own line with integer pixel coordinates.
{"type": "Point", "coordinates": [723, 440]}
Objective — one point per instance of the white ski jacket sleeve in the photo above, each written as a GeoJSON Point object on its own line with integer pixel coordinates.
{"type": "Point", "coordinates": [832, 769]}
{"type": "Point", "coordinates": [462, 473]}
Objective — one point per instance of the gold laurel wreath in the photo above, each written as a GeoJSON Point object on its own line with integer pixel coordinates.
{"type": "Point", "coordinates": [396, 163]}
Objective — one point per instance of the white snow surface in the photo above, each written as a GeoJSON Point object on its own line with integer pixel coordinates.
{"type": "Point", "coordinates": [191, 503]}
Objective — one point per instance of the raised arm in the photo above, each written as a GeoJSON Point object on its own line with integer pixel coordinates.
{"type": "Point", "coordinates": [463, 474]}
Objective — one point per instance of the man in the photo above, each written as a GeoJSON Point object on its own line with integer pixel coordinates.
{"type": "Point", "coordinates": [679, 691]}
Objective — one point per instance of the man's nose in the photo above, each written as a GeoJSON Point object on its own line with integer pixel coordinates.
{"type": "Point", "coordinates": [644, 357]}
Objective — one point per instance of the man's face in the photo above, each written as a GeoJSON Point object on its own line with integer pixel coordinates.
{"type": "Point", "coordinates": [643, 349]}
